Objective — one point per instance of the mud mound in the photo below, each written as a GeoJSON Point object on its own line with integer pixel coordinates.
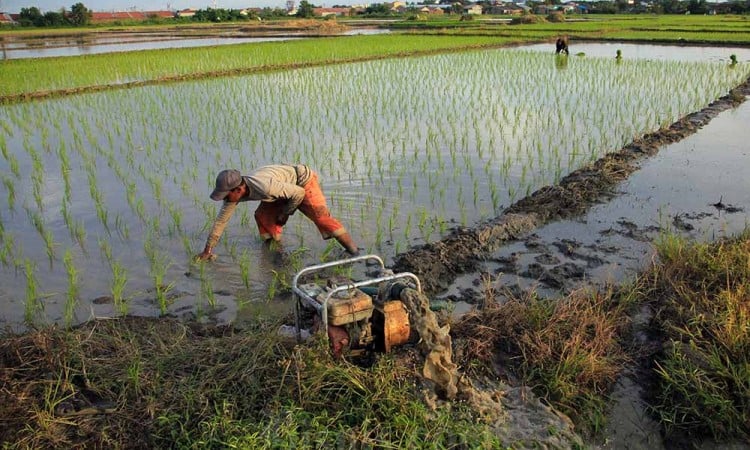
{"type": "Point", "coordinates": [438, 263]}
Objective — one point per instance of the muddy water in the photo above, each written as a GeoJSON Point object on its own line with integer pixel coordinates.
{"type": "Point", "coordinates": [515, 414]}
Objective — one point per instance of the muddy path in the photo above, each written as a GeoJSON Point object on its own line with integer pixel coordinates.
{"type": "Point", "coordinates": [438, 264]}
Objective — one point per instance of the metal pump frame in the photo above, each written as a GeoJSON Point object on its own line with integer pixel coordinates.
{"type": "Point", "coordinates": [322, 308]}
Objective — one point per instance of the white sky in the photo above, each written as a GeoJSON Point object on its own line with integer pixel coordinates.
{"type": "Point", "coordinates": [14, 6]}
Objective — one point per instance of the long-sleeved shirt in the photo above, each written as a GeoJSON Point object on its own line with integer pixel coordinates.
{"type": "Point", "coordinates": [283, 182]}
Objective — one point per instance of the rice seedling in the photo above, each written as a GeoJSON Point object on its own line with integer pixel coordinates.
{"type": "Point", "coordinates": [39, 224]}
{"type": "Point", "coordinates": [273, 285]}
{"type": "Point", "coordinates": [119, 280]}
{"type": "Point", "coordinates": [72, 294]}
{"type": "Point", "coordinates": [33, 307]}
{"type": "Point", "coordinates": [245, 269]}
{"type": "Point", "coordinates": [11, 190]}
{"type": "Point", "coordinates": [207, 290]}
{"type": "Point", "coordinates": [158, 266]}
{"type": "Point", "coordinates": [122, 227]}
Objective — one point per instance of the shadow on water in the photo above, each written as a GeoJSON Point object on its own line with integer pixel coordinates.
{"type": "Point", "coordinates": [561, 62]}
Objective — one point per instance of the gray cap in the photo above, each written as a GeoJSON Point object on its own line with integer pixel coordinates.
{"type": "Point", "coordinates": [226, 180]}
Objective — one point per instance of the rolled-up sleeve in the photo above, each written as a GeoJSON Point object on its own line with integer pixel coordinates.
{"type": "Point", "coordinates": [227, 209]}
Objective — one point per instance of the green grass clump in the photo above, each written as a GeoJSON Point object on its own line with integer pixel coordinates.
{"type": "Point", "coordinates": [188, 386]}
{"type": "Point", "coordinates": [702, 381]}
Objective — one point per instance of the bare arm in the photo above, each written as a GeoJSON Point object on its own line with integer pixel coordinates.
{"type": "Point", "coordinates": [220, 223]}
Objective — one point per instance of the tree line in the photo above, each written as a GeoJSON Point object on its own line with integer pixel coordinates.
{"type": "Point", "coordinates": [78, 15]}
{"type": "Point", "coordinates": [668, 7]}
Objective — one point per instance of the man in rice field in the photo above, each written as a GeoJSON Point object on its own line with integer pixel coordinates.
{"type": "Point", "coordinates": [281, 190]}
{"type": "Point", "coordinates": [561, 45]}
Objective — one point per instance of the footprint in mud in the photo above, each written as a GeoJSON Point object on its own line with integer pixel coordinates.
{"type": "Point", "coordinates": [534, 271]}
{"type": "Point", "coordinates": [681, 224]}
{"type": "Point", "coordinates": [209, 317]}
{"type": "Point", "coordinates": [592, 261]}
{"type": "Point", "coordinates": [534, 245]}
{"type": "Point", "coordinates": [547, 259]}
{"type": "Point", "coordinates": [556, 277]}
{"type": "Point", "coordinates": [103, 300]}
{"type": "Point", "coordinates": [567, 271]}
{"type": "Point", "coordinates": [632, 231]}
{"type": "Point", "coordinates": [172, 294]}
{"type": "Point", "coordinates": [726, 207]}
{"type": "Point", "coordinates": [507, 264]}
{"type": "Point", "coordinates": [469, 295]}
{"type": "Point", "coordinates": [566, 246]}
{"type": "Point", "coordinates": [608, 249]}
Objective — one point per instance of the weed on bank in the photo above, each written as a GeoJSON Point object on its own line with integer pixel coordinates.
{"type": "Point", "coordinates": [170, 385]}
{"type": "Point", "coordinates": [702, 373]}
{"type": "Point", "coordinates": [695, 366]}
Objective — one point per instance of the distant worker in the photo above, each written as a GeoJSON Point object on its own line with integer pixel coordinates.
{"type": "Point", "coordinates": [561, 45]}
{"type": "Point", "coordinates": [281, 190]}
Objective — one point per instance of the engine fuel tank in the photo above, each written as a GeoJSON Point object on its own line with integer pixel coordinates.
{"type": "Point", "coordinates": [349, 306]}
{"type": "Point", "coordinates": [390, 325]}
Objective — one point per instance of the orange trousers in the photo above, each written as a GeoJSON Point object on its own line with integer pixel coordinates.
{"type": "Point", "coordinates": [313, 206]}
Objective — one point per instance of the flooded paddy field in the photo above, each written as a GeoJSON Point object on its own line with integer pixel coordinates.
{"type": "Point", "coordinates": [693, 187]}
{"type": "Point", "coordinates": [86, 46]}
{"type": "Point", "coordinates": [42, 46]}
{"type": "Point", "coordinates": [651, 52]}
{"type": "Point", "coordinates": [107, 193]}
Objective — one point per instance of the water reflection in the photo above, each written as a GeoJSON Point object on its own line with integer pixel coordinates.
{"type": "Point", "coordinates": [561, 62]}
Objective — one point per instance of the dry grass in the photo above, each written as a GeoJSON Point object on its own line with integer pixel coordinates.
{"type": "Point", "coordinates": [567, 349]}
{"type": "Point", "coordinates": [323, 26]}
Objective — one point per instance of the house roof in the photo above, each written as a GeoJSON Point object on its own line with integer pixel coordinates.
{"type": "Point", "coordinates": [6, 18]}
{"type": "Point", "coordinates": [129, 15]}
{"type": "Point", "coordinates": [330, 11]}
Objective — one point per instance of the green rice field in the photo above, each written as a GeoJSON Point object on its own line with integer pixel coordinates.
{"type": "Point", "coordinates": [106, 194]}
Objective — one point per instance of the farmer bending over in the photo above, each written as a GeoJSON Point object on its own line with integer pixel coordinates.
{"type": "Point", "coordinates": [281, 190]}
